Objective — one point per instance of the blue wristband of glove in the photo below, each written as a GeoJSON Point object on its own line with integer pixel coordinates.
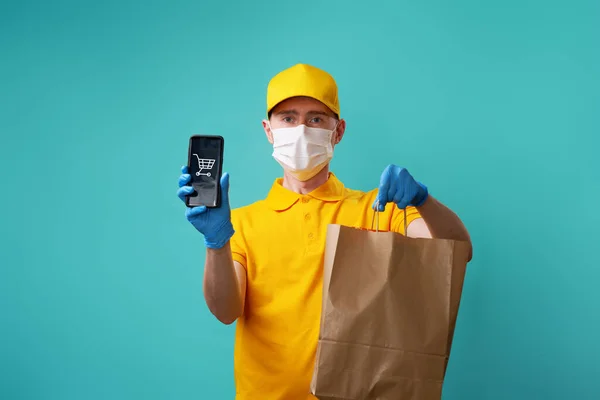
{"type": "Point", "coordinates": [220, 237]}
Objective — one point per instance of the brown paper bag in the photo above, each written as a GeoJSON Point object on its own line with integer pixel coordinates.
{"type": "Point", "coordinates": [389, 309]}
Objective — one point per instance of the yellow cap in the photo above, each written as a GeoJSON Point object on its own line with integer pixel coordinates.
{"type": "Point", "coordinates": [303, 80]}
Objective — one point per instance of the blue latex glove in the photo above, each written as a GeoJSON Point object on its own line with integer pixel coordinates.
{"type": "Point", "coordinates": [397, 185]}
{"type": "Point", "coordinates": [213, 223]}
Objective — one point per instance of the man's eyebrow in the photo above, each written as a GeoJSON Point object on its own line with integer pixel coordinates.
{"type": "Point", "coordinates": [319, 113]}
{"type": "Point", "coordinates": [287, 112]}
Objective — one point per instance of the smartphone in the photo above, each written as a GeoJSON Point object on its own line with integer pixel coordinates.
{"type": "Point", "coordinates": [205, 164]}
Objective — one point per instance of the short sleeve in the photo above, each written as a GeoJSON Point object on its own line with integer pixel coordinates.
{"type": "Point", "coordinates": [238, 244]}
{"type": "Point", "coordinates": [397, 223]}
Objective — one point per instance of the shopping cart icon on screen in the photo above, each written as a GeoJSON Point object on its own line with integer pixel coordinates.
{"type": "Point", "coordinates": [204, 163]}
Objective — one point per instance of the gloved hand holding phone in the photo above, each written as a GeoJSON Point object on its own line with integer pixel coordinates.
{"type": "Point", "coordinates": [213, 223]}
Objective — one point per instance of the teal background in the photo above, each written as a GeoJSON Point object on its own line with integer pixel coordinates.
{"type": "Point", "coordinates": [494, 105]}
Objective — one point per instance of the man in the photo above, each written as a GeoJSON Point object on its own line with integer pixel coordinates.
{"type": "Point", "coordinates": [264, 261]}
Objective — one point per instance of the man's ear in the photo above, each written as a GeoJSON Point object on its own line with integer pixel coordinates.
{"type": "Point", "coordinates": [267, 129]}
{"type": "Point", "coordinates": [339, 132]}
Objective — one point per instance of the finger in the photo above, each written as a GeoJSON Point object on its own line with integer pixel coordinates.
{"type": "Point", "coordinates": [408, 192]}
{"type": "Point", "coordinates": [377, 205]}
{"type": "Point", "coordinates": [225, 188]}
{"type": "Point", "coordinates": [399, 196]}
{"type": "Point", "coordinates": [184, 169]}
{"type": "Point", "coordinates": [184, 179]}
{"type": "Point", "coordinates": [184, 191]}
{"type": "Point", "coordinates": [195, 211]}
{"type": "Point", "coordinates": [404, 201]}
{"type": "Point", "coordinates": [410, 188]}
{"type": "Point", "coordinates": [395, 190]}
{"type": "Point", "coordinates": [384, 185]}
{"type": "Point", "coordinates": [399, 187]}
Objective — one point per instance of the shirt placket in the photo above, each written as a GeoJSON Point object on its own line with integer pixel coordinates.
{"type": "Point", "coordinates": [310, 224]}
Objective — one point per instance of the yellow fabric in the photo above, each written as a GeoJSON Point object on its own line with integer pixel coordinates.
{"type": "Point", "coordinates": [303, 80]}
{"type": "Point", "coordinates": [280, 241]}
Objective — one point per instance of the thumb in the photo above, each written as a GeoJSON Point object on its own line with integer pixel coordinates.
{"type": "Point", "coordinates": [225, 188]}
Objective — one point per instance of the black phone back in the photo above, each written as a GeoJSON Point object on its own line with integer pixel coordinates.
{"type": "Point", "coordinates": [205, 164]}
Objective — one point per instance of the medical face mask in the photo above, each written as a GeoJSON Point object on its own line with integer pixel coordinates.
{"type": "Point", "coordinates": [302, 151]}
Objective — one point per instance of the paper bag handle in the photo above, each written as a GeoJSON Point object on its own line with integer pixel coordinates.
{"type": "Point", "coordinates": [376, 217]}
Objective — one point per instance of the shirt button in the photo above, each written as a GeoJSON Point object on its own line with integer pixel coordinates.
{"type": "Point", "coordinates": [307, 217]}
{"type": "Point", "coordinates": [311, 236]}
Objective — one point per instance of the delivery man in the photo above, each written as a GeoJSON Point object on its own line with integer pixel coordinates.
{"type": "Point", "coordinates": [264, 261]}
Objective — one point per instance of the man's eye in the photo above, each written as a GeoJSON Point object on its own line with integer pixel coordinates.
{"type": "Point", "coordinates": [288, 119]}
{"type": "Point", "coordinates": [316, 120]}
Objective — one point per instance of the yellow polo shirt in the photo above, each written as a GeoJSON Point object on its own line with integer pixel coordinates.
{"type": "Point", "coordinates": [280, 241]}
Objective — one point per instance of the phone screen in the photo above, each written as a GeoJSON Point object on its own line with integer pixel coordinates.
{"type": "Point", "coordinates": [204, 166]}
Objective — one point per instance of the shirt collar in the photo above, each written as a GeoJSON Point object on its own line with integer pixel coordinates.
{"type": "Point", "coordinates": [280, 198]}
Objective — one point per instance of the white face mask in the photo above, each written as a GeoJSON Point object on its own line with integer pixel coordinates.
{"type": "Point", "coordinates": [302, 151]}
